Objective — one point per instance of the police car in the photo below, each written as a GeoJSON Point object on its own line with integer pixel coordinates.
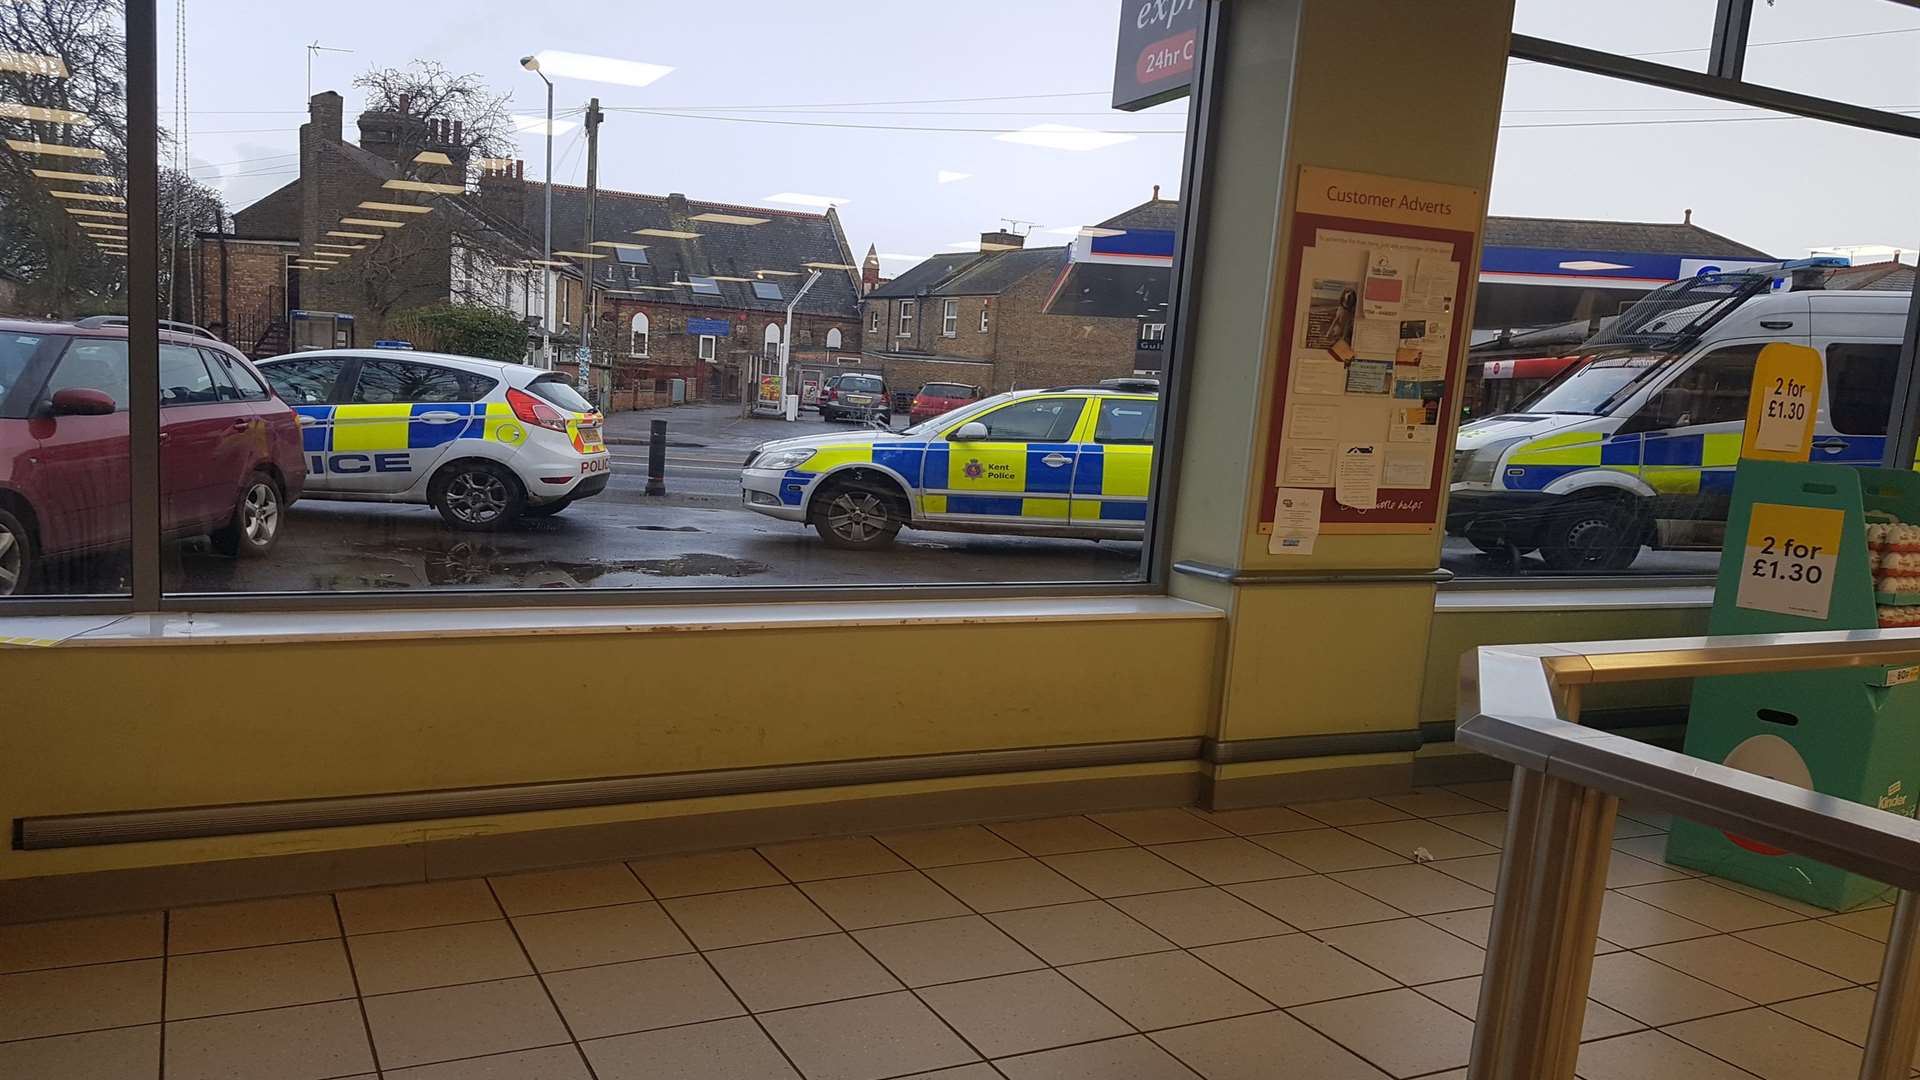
{"type": "Point", "coordinates": [1635, 443]}
{"type": "Point", "coordinates": [481, 441]}
{"type": "Point", "coordinates": [1066, 461]}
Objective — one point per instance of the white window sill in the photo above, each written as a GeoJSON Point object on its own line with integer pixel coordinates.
{"type": "Point", "coordinates": [1457, 597]}
{"type": "Point", "coordinates": [264, 627]}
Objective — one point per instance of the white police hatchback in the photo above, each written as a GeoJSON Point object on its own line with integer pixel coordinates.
{"type": "Point", "coordinates": [481, 441]}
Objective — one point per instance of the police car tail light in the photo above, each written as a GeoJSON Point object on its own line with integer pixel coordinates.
{"type": "Point", "coordinates": [533, 411]}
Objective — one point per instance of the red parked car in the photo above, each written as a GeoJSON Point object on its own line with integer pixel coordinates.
{"type": "Point", "coordinates": [941, 397]}
{"type": "Point", "coordinates": [230, 458]}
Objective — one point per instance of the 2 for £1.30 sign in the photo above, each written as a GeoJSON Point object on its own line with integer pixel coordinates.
{"type": "Point", "coordinates": [1790, 558]}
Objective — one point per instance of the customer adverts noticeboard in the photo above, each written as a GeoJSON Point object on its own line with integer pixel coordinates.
{"type": "Point", "coordinates": [1790, 559]}
{"type": "Point", "coordinates": [1377, 271]}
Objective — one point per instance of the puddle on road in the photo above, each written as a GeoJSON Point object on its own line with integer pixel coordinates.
{"type": "Point", "coordinates": [664, 528]}
{"type": "Point", "coordinates": [476, 564]}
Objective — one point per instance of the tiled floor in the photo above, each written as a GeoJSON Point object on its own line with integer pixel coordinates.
{"type": "Point", "coordinates": [1303, 941]}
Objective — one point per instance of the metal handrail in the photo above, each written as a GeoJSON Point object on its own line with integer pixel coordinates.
{"type": "Point", "coordinates": [1520, 704]}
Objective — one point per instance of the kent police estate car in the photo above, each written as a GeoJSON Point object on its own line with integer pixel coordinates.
{"type": "Point", "coordinates": [483, 442]}
{"type": "Point", "coordinates": [1067, 461]}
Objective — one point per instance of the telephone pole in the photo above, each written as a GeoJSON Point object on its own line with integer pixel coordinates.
{"type": "Point", "coordinates": [589, 313]}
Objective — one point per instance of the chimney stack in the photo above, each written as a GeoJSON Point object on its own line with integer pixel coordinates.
{"type": "Point", "coordinates": [1002, 240]}
{"type": "Point", "coordinates": [1687, 219]}
{"type": "Point", "coordinates": [1156, 193]}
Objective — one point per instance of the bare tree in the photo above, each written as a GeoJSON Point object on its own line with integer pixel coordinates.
{"type": "Point", "coordinates": [427, 91]}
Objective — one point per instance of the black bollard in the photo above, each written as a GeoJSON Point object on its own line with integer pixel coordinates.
{"type": "Point", "coordinates": [657, 459]}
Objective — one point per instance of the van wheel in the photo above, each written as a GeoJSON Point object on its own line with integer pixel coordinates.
{"type": "Point", "coordinates": [857, 516]}
{"type": "Point", "coordinates": [1591, 536]}
{"type": "Point", "coordinates": [16, 555]}
{"type": "Point", "coordinates": [255, 527]}
{"type": "Point", "coordinates": [477, 495]}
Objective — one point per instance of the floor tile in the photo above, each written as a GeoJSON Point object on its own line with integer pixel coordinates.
{"type": "Point", "coordinates": [866, 1038]}
{"type": "Point", "coordinates": [949, 847]}
{"type": "Point", "coordinates": [1313, 903]}
{"type": "Point", "coordinates": [803, 971]}
{"type": "Point", "coordinates": [1227, 861]}
{"type": "Point", "coordinates": [721, 1050]}
{"type": "Point", "coordinates": [1653, 993]}
{"type": "Point", "coordinates": [1408, 838]}
{"type": "Point", "coordinates": [1487, 826]}
{"type": "Point", "coordinates": [1710, 905]}
{"type": "Point", "coordinates": [920, 954]}
{"type": "Point", "coordinates": [66, 942]}
{"type": "Point", "coordinates": [60, 1001]}
{"type": "Point", "coordinates": [1258, 820]}
{"type": "Point", "coordinates": [1798, 907]}
{"type": "Point", "coordinates": [1250, 1048]}
{"type": "Point", "coordinates": [1162, 990]}
{"type": "Point", "coordinates": [1659, 819]}
{"type": "Point", "coordinates": [1625, 828]}
{"type": "Point", "coordinates": [640, 995]}
{"type": "Point", "coordinates": [979, 1070]}
{"type": "Point", "coordinates": [747, 917]}
{"type": "Point", "coordinates": [424, 1026]}
{"type": "Point", "coordinates": [1343, 812]}
{"type": "Point", "coordinates": [1163, 826]}
{"type": "Point", "coordinates": [573, 887]}
{"type": "Point", "coordinates": [1431, 802]}
{"type": "Point", "coordinates": [267, 977]}
{"type": "Point", "coordinates": [1843, 1013]}
{"type": "Point", "coordinates": [547, 1063]}
{"type": "Point", "coordinates": [706, 872]}
{"type": "Point", "coordinates": [1194, 917]}
{"type": "Point", "coordinates": [1122, 872]}
{"type": "Point", "coordinates": [1416, 890]}
{"type": "Point", "coordinates": [1772, 1046]}
{"type": "Point", "coordinates": [1745, 969]}
{"type": "Point", "coordinates": [1870, 923]}
{"type": "Point", "coordinates": [1495, 793]}
{"type": "Point", "coordinates": [1632, 924]}
{"type": "Point", "coordinates": [1077, 933]}
{"type": "Point", "coordinates": [1329, 850]}
{"type": "Point", "coordinates": [1625, 871]}
{"type": "Point", "coordinates": [409, 907]}
{"type": "Point", "coordinates": [832, 857]}
{"type": "Point", "coordinates": [1479, 871]}
{"type": "Point", "coordinates": [1017, 1014]}
{"type": "Point", "coordinates": [1473, 925]}
{"type": "Point", "coordinates": [1649, 1055]}
{"type": "Point", "coordinates": [247, 923]}
{"type": "Point", "coordinates": [1133, 1057]}
{"type": "Point", "coordinates": [883, 899]}
{"type": "Point", "coordinates": [131, 1053]}
{"type": "Point", "coordinates": [302, 1043]}
{"type": "Point", "coordinates": [1463, 997]}
{"type": "Point", "coordinates": [1397, 1030]}
{"type": "Point", "coordinates": [1408, 950]}
{"type": "Point", "coordinates": [1653, 849]}
{"type": "Point", "coordinates": [1057, 836]}
{"type": "Point", "coordinates": [1294, 970]}
{"type": "Point", "coordinates": [1012, 883]}
{"type": "Point", "coordinates": [435, 956]}
{"type": "Point", "coordinates": [603, 935]}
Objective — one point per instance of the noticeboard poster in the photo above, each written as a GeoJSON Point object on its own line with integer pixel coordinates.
{"type": "Point", "coordinates": [1377, 275]}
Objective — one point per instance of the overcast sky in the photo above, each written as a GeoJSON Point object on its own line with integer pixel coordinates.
{"type": "Point", "coordinates": [753, 79]}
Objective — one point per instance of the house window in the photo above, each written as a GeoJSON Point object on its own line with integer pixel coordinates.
{"type": "Point", "coordinates": [873, 319]}
{"type": "Point", "coordinates": [833, 338]}
{"type": "Point", "coordinates": [949, 318]}
{"type": "Point", "coordinates": [707, 344]}
{"type": "Point", "coordinates": [639, 343]}
{"type": "Point", "coordinates": [705, 286]}
{"type": "Point", "coordinates": [1152, 334]}
{"type": "Point", "coordinates": [767, 290]}
{"type": "Point", "coordinates": [906, 318]}
{"type": "Point", "coordinates": [772, 339]}
{"type": "Point", "coordinates": [984, 309]}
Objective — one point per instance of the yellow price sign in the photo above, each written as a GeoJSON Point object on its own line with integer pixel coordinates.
{"type": "Point", "coordinates": [1785, 400]}
{"type": "Point", "coordinates": [1792, 553]}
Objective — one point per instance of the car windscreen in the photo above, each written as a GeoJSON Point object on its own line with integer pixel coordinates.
{"type": "Point", "coordinates": [1596, 386]}
{"type": "Point", "coordinates": [945, 390]}
{"type": "Point", "coordinates": [557, 389]}
{"type": "Point", "coordinates": [16, 350]}
{"type": "Point", "coordinates": [860, 384]}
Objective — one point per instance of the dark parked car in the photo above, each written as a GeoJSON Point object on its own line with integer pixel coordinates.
{"type": "Point", "coordinates": [854, 396]}
{"type": "Point", "coordinates": [936, 398]}
{"type": "Point", "coordinates": [230, 458]}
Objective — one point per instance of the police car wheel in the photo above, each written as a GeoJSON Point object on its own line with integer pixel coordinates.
{"type": "Point", "coordinates": [255, 527]}
{"type": "Point", "coordinates": [477, 495]}
{"type": "Point", "coordinates": [16, 555]}
{"type": "Point", "coordinates": [857, 517]}
{"type": "Point", "coordinates": [1591, 536]}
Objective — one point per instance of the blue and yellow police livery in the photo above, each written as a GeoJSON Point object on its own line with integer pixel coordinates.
{"type": "Point", "coordinates": [481, 441]}
{"type": "Point", "coordinates": [1069, 461]}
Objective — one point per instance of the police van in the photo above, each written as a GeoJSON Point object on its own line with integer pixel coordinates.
{"type": "Point", "coordinates": [481, 441]}
{"type": "Point", "coordinates": [1634, 444]}
{"type": "Point", "coordinates": [1066, 461]}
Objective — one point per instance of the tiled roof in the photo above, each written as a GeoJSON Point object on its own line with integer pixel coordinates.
{"type": "Point", "coordinates": [967, 273]}
{"type": "Point", "coordinates": [925, 275]}
{"type": "Point", "coordinates": [1152, 214]}
{"type": "Point", "coordinates": [1643, 237]}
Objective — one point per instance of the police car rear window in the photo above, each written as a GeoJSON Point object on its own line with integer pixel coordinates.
{"type": "Point", "coordinates": [557, 389]}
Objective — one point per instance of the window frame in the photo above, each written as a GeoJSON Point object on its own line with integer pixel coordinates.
{"type": "Point", "coordinates": [950, 318]}
{"type": "Point", "coordinates": [874, 318]}
{"type": "Point", "coordinates": [709, 347]}
{"type": "Point", "coordinates": [640, 336]}
{"type": "Point", "coordinates": [906, 319]}
{"type": "Point", "coordinates": [985, 309]}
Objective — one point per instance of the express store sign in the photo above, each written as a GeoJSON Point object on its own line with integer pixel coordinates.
{"type": "Point", "coordinates": [1157, 52]}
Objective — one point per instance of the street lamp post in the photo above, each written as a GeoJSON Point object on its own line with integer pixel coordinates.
{"type": "Point", "coordinates": [532, 64]}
